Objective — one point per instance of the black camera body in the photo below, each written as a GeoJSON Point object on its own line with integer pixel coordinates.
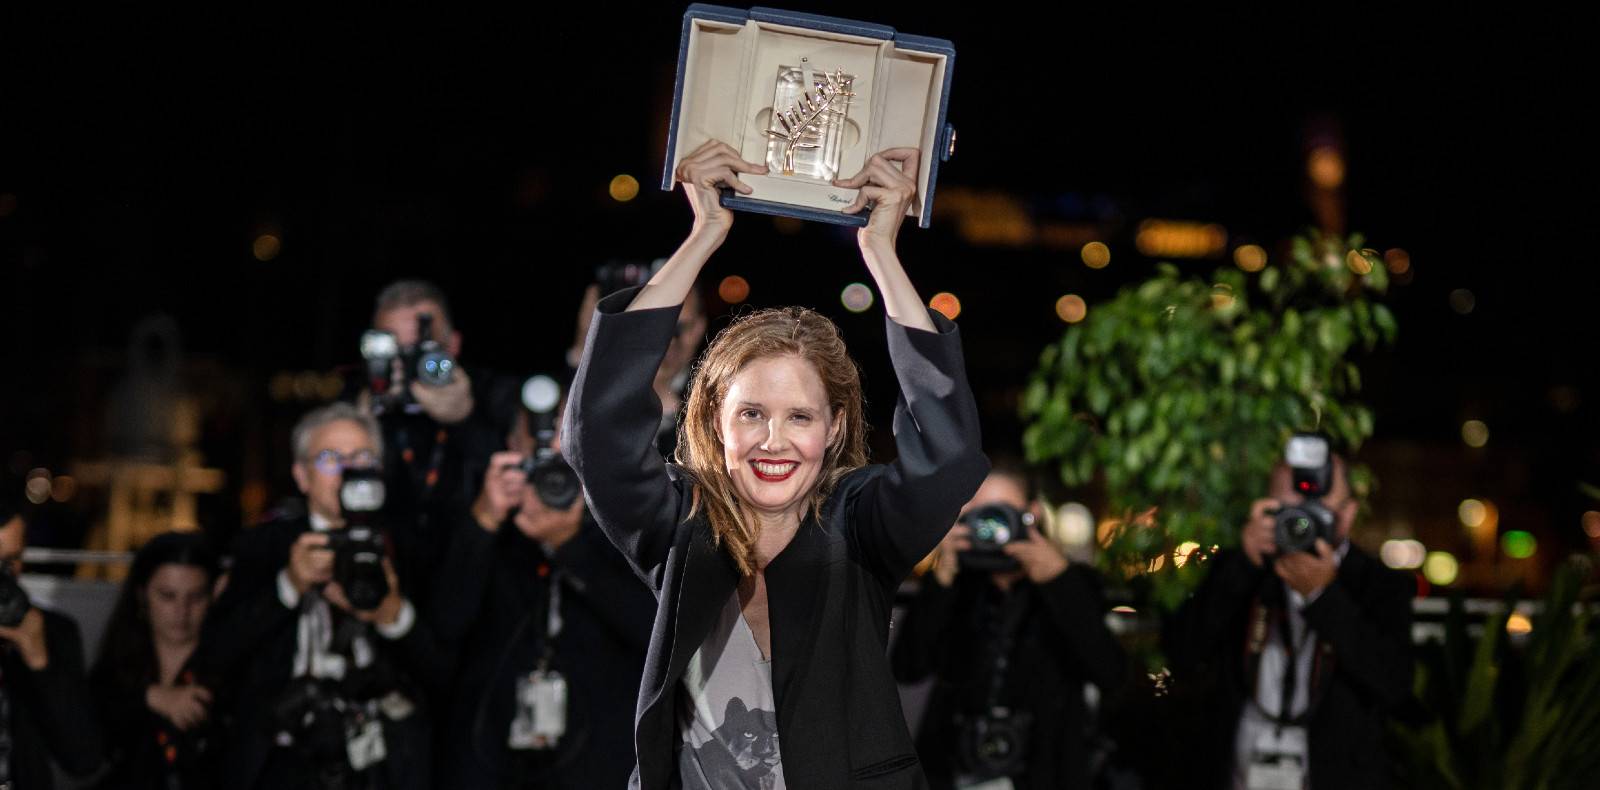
{"type": "Point", "coordinates": [312, 716]}
{"type": "Point", "coordinates": [14, 603]}
{"type": "Point", "coordinates": [359, 548]}
{"type": "Point", "coordinates": [994, 744]}
{"type": "Point", "coordinates": [993, 526]}
{"type": "Point", "coordinates": [1299, 527]}
{"type": "Point", "coordinates": [426, 361]}
{"type": "Point", "coordinates": [553, 480]}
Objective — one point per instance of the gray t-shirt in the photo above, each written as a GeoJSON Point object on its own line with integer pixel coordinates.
{"type": "Point", "coordinates": [727, 716]}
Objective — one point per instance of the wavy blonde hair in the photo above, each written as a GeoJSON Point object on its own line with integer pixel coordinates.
{"type": "Point", "coordinates": [788, 331]}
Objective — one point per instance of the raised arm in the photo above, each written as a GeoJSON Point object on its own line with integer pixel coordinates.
{"type": "Point", "coordinates": [613, 411]}
{"type": "Point", "coordinates": [904, 512]}
{"type": "Point", "coordinates": [888, 185]}
{"type": "Point", "coordinates": [715, 163]}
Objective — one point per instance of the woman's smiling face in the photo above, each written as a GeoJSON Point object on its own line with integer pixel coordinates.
{"type": "Point", "coordinates": [775, 428]}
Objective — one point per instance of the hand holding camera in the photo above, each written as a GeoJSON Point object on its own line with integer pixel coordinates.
{"type": "Point", "coordinates": [421, 377]}
{"type": "Point", "coordinates": [503, 485]}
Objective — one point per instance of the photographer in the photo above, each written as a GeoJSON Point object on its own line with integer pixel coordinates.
{"type": "Point", "coordinates": [45, 710]}
{"type": "Point", "coordinates": [436, 429]}
{"type": "Point", "coordinates": [315, 635]}
{"type": "Point", "coordinates": [1011, 632]}
{"type": "Point", "coordinates": [1297, 643]}
{"type": "Point", "coordinates": [538, 603]}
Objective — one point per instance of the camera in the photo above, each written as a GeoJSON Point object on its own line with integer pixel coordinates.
{"type": "Point", "coordinates": [426, 361]}
{"type": "Point", "coordinates": [1298, 527]}
{"type": "Point", "coordinates": [551, 477]}
{"type": "Point", "coordinates": [14, 603]}
{"type": "Point", "coordinates": [993, 526]}
{"type": "Point", "coordinates": [994, 744]}
{"type": "Point", "coordinates": [312, 716]}
{"type": "Point", "coordinates": [358, 549]}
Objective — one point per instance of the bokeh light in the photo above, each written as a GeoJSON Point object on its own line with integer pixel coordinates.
{"type": "Point", "coordinates": [1096, 255]}
{"type": "Point", "coordinates": [733, 289]}
{"type": "Point", "coordinates": [947, 304]}
{"type": "Point", "coordinates": [856, 297]}
{"type": "Point", "coordinates": [624, 188]}
{"type": "Point", "coordinates": [266, 247]}
{"type": "Point", "coordinates": [1071, 308]}
{"type": "Point", "coordinates": [1475, 433]}
{"type": "Point", "coordinates": [1518, 545]}
{"type": "Point", "coordinates": [1250, 257]}
{"type": "Point", "coordinates": [1441, 568]}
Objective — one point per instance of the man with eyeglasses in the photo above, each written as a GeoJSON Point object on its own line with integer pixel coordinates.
{"type": "Point", "coordinates": [325, 694]}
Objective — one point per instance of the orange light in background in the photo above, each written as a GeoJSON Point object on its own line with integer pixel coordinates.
{"type": "Point", "coordinates": [946, 303]}
{"type": "Point", "coordinates": [1163, 238]}
{"type": "Point", "coordinates": [733, 289]}
{"type": "Point", "coordinates": [1326, 167]}
{"type": "Point", "coordinates": [266, 247]}
{"type": "Point", "coordinates": [1096, 255]}
{"type": "Point", "coordinates": [1358, 262]}
{"type": "Point", "coordinates": [63, 488]}
{"type": "Point", "coordinates": [1518, 624]}
{"type": "Point", "coordinates": [1250, 257]}
{"type": "Point", "coordinates": [624, 188]}
{"type": "Point", "coordinates": [1591, 524]}
{"type": "Point", "coordinates": [1398, 261]}
{"type": "Point", "coordinates": [1071, 308]}
{"type": "Point", "coordinates": [788, 226]}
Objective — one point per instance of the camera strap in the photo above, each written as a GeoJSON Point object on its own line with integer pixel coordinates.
{"type": "Point", "coordinates": [1013, 605]}
{"type": "Point", "coordinates": [1291, 674]}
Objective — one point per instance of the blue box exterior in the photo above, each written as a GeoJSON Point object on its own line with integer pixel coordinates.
{"type": "Point", "coordinates": [732, 200]}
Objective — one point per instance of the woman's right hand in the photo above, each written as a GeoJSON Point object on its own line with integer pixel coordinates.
{"type": "Point", "coordinates": [702, 172]}
{"type": "Point", "coordinates": [184, 706]}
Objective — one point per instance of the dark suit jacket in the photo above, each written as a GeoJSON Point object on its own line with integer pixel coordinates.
{"type": "Point", "coordinates": [1061, 642]}
{"type": "Point", "coordinates": [51, 713]}
{"type": "Point", "coordinates": [1362, 669]}
{"type": "Point", "coordinates": [829, 592]}
{"type": "Point", "coordinates": [248, 646]}
{"type": "Point", "coordinates": [490, 605]}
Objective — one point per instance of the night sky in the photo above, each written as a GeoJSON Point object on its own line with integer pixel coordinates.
{"type": "Point", "coordinates": [145, 150]}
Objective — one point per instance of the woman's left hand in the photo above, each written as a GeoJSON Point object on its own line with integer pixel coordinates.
{"type": "Point", "coordinates": [888, 190]}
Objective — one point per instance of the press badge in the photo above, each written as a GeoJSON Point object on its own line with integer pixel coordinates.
{"type": "Point", "coordinates": [541, 717]}
{"type": "Point", "coordinates": [364, 743]}
{"type": "Point", "coordinates": [1278, 760]}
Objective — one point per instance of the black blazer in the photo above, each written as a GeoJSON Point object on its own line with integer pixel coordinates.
{"type": "Point", "coordinates": [51, 713]}
{"type": "Point", "coordinates": [1362, 670]}
{"type": "Point", "coordinates": [248, 645]}
{"type": "Point", "coordinates": [829, 592]}
{"type": "Point", "coordinates": [489, 606]}
{"type": "Point", "coordinates": [1061, 642]}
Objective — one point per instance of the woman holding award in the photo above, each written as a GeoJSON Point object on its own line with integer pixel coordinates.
{"type": "Point", "coordinates": [773, 548]}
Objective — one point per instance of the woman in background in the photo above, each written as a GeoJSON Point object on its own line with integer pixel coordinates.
{"type": "Point", "coordinates": [156, 714]}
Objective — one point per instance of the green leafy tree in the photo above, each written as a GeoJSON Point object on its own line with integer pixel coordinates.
{"type": "Point", "coordinates": [1177, 396]}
